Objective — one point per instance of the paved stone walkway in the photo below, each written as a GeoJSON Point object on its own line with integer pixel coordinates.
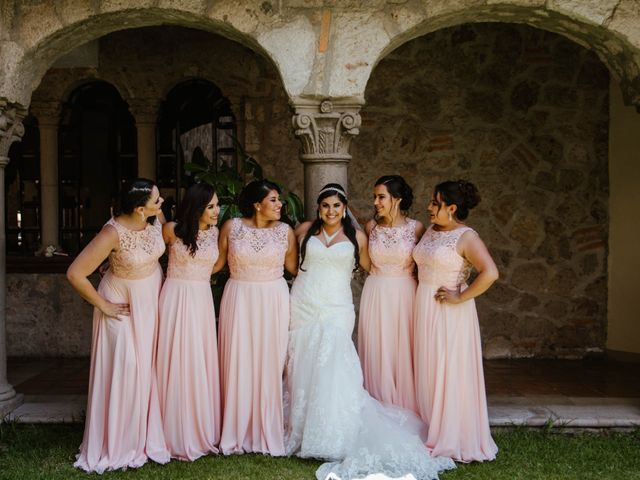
{"type": "Point", "coordinates": [536, 393]}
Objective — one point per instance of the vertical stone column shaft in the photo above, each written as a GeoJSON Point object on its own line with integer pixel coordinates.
{"type": "Point", "coordinates": [325, 131]}
{"type": "Point", "coordinates": [11, 129]}
{"type": "Point", "coordinates": [146, 150]}
{"type": "Point", "coordinates": [49, 181]}
{"type": "Point", "coordinates": [145, 112]}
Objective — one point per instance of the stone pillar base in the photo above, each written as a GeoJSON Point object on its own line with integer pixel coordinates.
{"type": "Point", "coordinates": [9, 405]}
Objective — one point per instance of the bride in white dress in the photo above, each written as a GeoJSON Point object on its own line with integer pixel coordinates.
{"type": "Point", "coordinates": [331, 416]}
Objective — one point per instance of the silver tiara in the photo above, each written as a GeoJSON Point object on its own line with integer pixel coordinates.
{"type": "Point", "coordinates": [332, 189]}
{"type": "Point", "coordinates": [140, 189]}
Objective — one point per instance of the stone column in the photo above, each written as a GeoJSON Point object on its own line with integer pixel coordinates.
{"type": "Point", "coordinates": [48, 115]}
{"type": "Point", "coordinates": [145, 112]}
{"type": "Point", "coordinates": [11, 129]}
{"type": "Point", "coordinates": [325, 129]}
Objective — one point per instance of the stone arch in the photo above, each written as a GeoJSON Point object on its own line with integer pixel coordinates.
{"type": "Point", "coordinates": [44, 32]}
{"type": "Point", "coordinates": [608, 28]}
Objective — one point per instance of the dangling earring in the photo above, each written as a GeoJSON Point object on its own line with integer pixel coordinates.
{"type": "Point", "coordinates": [142, 216]}
{"type": "Point", "coordinates": [450, 217]}
{"type": "Point", "coordinates": [344, 214]}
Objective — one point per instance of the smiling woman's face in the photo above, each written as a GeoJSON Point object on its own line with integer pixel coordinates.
{"type": "Point", "coordinates": [331, 210]}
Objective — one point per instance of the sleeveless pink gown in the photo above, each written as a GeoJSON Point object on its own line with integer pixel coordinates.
{"type": "Point", "coordinates": [123, 427]}
{"type": "Point", "coordinates": [448, 355]}
{"type": "Point", "coordinates": [254, 324]}
{"type": "Point", "coordinates": [385, 325]}
{"type": "Point", "coordinates": [188, 378]}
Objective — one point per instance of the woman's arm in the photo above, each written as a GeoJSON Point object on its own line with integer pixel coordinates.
{"type": "Point", "coordinates": [223, 246]}
{"type": "Point", "coordinates": [86, 263]}
{"type": "Point", "coordinates": [471, 247]}
{"type": "Point", "coordinates": [302, 229]}
{"type": "Point", "coordinates": [169, 233]}
{"type": "Point", "coordinates": [291, 258]}
{"type": "Point", "coordinates": [363, 243]}
{"type": "Point", "coordinates": [420, 229]}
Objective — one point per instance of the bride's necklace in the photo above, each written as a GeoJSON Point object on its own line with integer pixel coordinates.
{"type": "Point", "coordinates": [329, 238]}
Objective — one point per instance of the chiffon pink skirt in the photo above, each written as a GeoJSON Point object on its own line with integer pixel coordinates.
{"type": "Point", "coordinates": [188, 378]}
{"type": "Point", "coordinates": [254, 325]}
{"type": "Point", "coordinates": [385, 339]}
{"type": "Point", "coordinates": [123, 427]}
{"type": "Point", "coordinates": [449, 379]}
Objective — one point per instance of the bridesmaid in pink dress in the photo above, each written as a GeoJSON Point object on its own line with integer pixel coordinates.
{"type": "Point", "coordinates": [385, 326]}
{"type": "Point", "coordinates": [254, 322]}
{"type": "Point", "coordinates": [448, 356]}
{"type": "Point", "coordinates": [123, 427]}
{"type": "Point", "coordinates": [188, 378]}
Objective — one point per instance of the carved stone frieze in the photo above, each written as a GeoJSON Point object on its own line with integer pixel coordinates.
{"type": "Point", "coordinates": [326, 130]}
{"type": "Point", "coordinates": [11, 128]}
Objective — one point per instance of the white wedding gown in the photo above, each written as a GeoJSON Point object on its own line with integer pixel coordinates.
{"type": "Point", "coordinates": [331, 416]}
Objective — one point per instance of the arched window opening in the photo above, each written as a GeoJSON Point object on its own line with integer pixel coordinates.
{"type": "Point", "coordinates": [22, 192]}
{"type": "Point", "coordinates": [98, 150]}
{"type": "Point", "coordinates": [195, 125]}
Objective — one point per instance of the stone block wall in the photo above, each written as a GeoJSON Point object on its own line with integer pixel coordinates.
{"type": "Point", "coordinates": [522, 113]}
{"type": "Point", "coordinates": [46, 317]}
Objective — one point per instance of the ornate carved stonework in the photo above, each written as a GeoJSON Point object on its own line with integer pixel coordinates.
{"type": "Point", "coordinates": [11, 128]}
{"type": "Point", "coordinates": [46, 112]}
{"type": "Point", "coordinates": [144, 110]}
{"type": "Point", "coordinates": [326, 130]}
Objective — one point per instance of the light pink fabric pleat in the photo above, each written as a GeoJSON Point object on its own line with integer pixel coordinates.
{"type": "Point", "coordinates": [385, 339]}
{"type": "Point", "coordinates": [123, 426]}
{"type": "Point", "coordinates": [254, 323]}
{"type": "Point", "coordinates": [449, 379]}
{"type": "Point", "coordinates": [188, 378]}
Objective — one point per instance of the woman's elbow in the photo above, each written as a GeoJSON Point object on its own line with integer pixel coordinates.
{"type": "Point", "coordinates": [73, 276]}
{"type": "Point", "coordinates": [493, 275]}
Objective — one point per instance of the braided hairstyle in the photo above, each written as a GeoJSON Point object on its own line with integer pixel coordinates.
{"type": "Point", "coordinates": [463, 194]}
{"type": "Point", "coordinates": [330, 190]}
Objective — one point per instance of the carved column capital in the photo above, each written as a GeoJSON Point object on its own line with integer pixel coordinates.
{"type": "Point", "coordinates": [144, 110]}
{"type": "Point", "coordinates": [325, 129]}
{"type": "Point", "coordinates": [47, 112]}
{"type": "Point", "coordinates": [11, 128]}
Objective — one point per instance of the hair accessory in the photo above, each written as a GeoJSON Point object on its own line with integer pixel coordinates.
{"type": "Point", "coordinates": [333, 189]}
{"type": "Point", "coordinates": [140, 189]}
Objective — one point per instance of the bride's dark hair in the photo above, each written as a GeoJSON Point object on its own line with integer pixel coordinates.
{"type": "Point", "coordinates": [330, 190]}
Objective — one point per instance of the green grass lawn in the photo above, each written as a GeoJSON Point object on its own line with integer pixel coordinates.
{"type": "Point", "coordinates": [47, 452]}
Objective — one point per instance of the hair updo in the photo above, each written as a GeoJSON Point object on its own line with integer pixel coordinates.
{"type": "Point", "coordinates": [254, 192]}
{"type": "Point", "coordinates": [464, 195]}
{"type": "Point", "coordinates": [397, 188]}
{"type": "Point", "coordinates": [134, 194]}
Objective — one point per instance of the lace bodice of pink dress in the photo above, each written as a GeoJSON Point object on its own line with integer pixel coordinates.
{"type": "Point", "coordinates": [390, 249]}
{"type": "Point", "coordinates": [183, 266]}
{"type": "Point", "coordinates": [439, 263]}
{"type": "Point", "coordinates": [257, 254]}
{"type": "Point", "coordinates": [138, 252]}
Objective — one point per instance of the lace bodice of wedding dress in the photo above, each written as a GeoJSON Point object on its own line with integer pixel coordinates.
{"type": "Point", "coordinates": [330, 414]}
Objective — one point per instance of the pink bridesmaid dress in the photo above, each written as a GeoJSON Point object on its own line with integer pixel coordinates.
{"type": "Point", "coordinates": [188, 378]}
{"type": "Point", "coordinates": [385, 325]}
{"type": "Point", "coordinates": [254, 324]}
{"type": "Point", "coordinates": [123, 427]}
{"type": "Point", "coordinates": [448, 356]}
